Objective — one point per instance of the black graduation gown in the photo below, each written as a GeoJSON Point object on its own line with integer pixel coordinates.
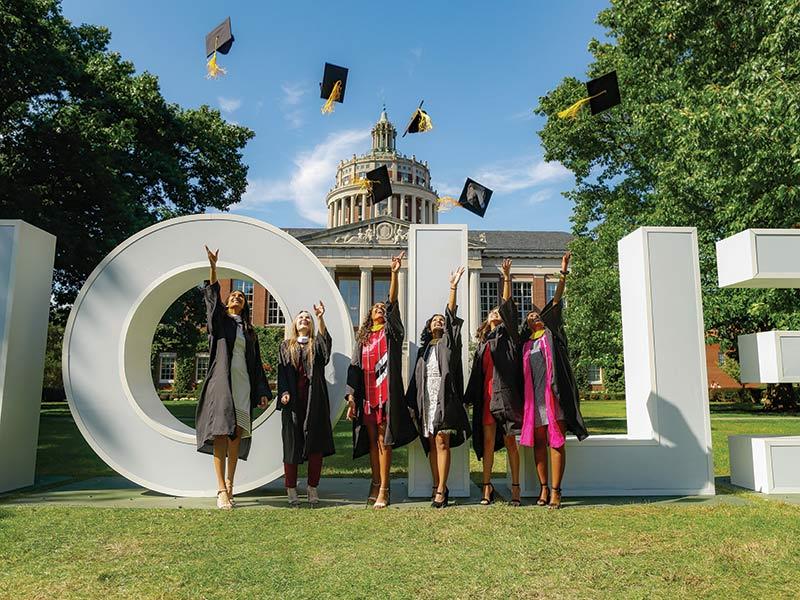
{"type": "Point", "coordinates": [450, 414]}
{"type": "Point", "coordinates": [567, 386]}
{"type": "Point", "coordinates": [305, 422]}
{"type": "Point", "coordinates": [506, 404]}
{"type": "Point", "coordinates": [215, 411]}
{"type": "Point", "coordinates": [400, 429]}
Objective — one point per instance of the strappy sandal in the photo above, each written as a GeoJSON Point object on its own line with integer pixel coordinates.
{"type": "Point", "coordinates": [433, 493]}
{"type": "Point", "coordinates": [490, 500]}
{"type": "Point", "coordinates": [373, 485]}
{"type": "Point", "coordinates": [515, 502]}
{"type": "Point", "coordinates": [223, 502]}
{"type": "Point", "coordinates": [385, 503]}
{"type": "Point", "coordinates": [444, 501]}
{"type": "Point", "coordinates": [555, 505]}
{"type": "Point", "coordinates": [543, 501]}
{"type": "Point", "coordinates": [229, 489]}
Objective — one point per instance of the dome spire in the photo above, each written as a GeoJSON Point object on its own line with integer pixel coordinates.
{"type": "Point", "coordinates": [384, 134]}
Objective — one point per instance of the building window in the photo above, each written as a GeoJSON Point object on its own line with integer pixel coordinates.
{"type": "Point", "coordinates": [346, 180]}
{"type": "Point", "coordinates": [521, 294]}
{"type": "Point", "coordinates": [274, 312]}
{"type": "Point", "coordinates": [246, 287]}
{"type": "Point", "coordinates": [166, 367]}
{"type": "Point", "coordinates": [349, 289]}
{"type": "Point", "coordinates": [201, 367]}
{"type": "Point", "coordinates": [380, 290]}
{"type": "Point", "coordinates": [595, 375]}
{"type": "Point", "coordinates": [489, 296]}
{"type": "Point", "coordinates": [550, 290]}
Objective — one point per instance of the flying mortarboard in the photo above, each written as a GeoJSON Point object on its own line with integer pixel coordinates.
{"type": "Point", "coordinates": [603, 93]}
{"type": "Point", "coordinates": [420, 122]}
{"type": "Point", "coordinates": [220, 39]}
{"type": "Point", "coordinates": [377, 184]}
{"type": "Point", "coordinates": [474, 197]}
{"type": "Point", "coordinates": [334, 81]}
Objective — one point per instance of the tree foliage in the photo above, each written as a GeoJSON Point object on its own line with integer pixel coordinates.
{"type": "Point", "coordinates": [90, 151]}
{"type": "Point", "coordinates": [706, 136]}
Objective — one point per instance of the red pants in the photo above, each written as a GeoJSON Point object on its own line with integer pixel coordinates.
{"type": "Point", "coordinates": [314, 471]}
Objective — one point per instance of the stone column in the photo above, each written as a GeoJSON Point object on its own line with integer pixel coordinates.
{"type": "Point", "coordinates": [365, 293]}
{"type": "Point", "coordinates": [413, 209]}
{"type": "Point", "coordinates": [330, 216]}
{"type": "Point", "coordinates": [332, 272]}
{"type": "Point", "coordinates": [402, 287]}
{"type": "Point", "coordinates": [474, 301]}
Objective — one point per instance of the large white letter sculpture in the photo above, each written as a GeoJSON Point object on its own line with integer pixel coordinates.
{"type": "Point", "coordinates": [667, 449]}
{"type": "Point", "coordinates": [435, 251]}
{"type": "Point", "coordinates": [106, 357]}
{"type": "Point", "coordinates": [764, 258]}
{"type": "Point", "coordinates": [26, 275]}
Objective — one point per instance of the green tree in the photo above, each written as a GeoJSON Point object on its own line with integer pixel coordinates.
{"type": "Point", "coordinates": [90, 151]}
{"type": "Point", "coordinates": [706, 136]}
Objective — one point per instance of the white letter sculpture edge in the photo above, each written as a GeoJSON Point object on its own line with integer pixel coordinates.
{"type": "Point", "coordinates": [667, 448]}
{"type": "Point", "coordinates": [107, 344]}
{"type": "Point", "coordinates": [26, 276]}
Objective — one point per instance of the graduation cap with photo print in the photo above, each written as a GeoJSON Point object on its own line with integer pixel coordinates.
{"type": "Point", "coordinates": [474, 198]}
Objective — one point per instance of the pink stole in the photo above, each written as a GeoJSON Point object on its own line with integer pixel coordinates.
{"type": "Point", "coordinates": [555, 437]}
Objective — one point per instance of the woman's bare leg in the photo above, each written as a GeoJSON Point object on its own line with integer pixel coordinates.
{"type": "Point", "coordinates": [540, 457]}
{"type": "Point", "coordinates": [513, 463]}
{"type": "Point", "coordinates": [220, 450]}
{"type": "Point", "coordinates": [385, 459]}
{"type": "Point", "coordinates": [374, 461]}
{"type": "Point", "coordinates": [442, 444]}
{"type": "Point", "coordinates": [233, 458]}
{"type": "Point", "coordinates": [558, 458]}
{"type": "Point", "coordinates": [489, 432]}
{"type": "Point", "coordinates": [433, 458]}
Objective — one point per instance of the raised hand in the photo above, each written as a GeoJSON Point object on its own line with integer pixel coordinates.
{"type": "Point", "coordinates": [263, 402]}
{"type": "Point", "coordinates": [397, 261]}
{"type": "Point", "coordinates": [351, 408]}
{"type": "Point", "coordinates": [565, 261]}
{"type": "Point", "coordinates": [319, 310]}
{"type": "Point", "coordinates": [212, 256]}
{"type": "Point", "coordinates": [285, 398]}
{"type": "Point", "coordinates": [455, 277]}
{"type": "Point", "coordinates": [506, 268]}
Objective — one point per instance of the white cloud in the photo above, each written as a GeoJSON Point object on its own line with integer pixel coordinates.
{"type": "Point", "coordinates": [523, 115]}
{"type": "Point", "coordinates": [293, 93]}
{"type": "Point", "coordinates": [540, 196]}
{"type": "Point", "coordinates": [292, 96]}
{"type": "Point", "coordinates": [229, 105]}
{"type": "Point", "coordinates": [522, 174]}
{"type": "Point", "coordinates": [313, 175]}
{"type": "Point", "coordinates": [417, 52]}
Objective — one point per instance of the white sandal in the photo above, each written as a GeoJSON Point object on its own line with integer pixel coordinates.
{"type": "Point", "coordinates": [313, 496]}
{"type": "Point", "coordinates": [223, 502]}
{"type": "Point", "coordinates": [291, 494]}
{"type": "Point", "coordinates": [385, 503]}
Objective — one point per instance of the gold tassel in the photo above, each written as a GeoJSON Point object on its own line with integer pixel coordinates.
{"type": "Point", "coordinates": [572, 111]}
{"type": "Point", "coordinates": [365, 185]}
{"type": "Point", "coordinates": [446, 203]}
{"type": "Point", "coordinates": [336, 94]}
{"type": "Point", "coordinates": [425, 123]}
{"type": "Point", "coordinates": [214, 70]}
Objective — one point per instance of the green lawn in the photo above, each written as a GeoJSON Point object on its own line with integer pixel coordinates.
{"type": "Point", "coordinates": [739, 546]}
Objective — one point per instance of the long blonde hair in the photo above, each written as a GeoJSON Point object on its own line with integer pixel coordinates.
{"type": "Point", "coordinates": [294, 346]}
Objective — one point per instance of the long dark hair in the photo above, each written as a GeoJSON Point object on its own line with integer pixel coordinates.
{"type": "Point", "coordinates": [247, 326]}
{"type": "Point", "coordinates": [366, 326]}
{"type": "Point", "coordinates": [484, 328]}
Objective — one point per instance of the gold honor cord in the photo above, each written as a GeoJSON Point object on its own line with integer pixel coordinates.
{"type": "Point", "coordinates": [336, 94]}
{"type": "Point", "coordinates": [446, 203]}
{"type": "Point", "coordinates": [572, 111]}
{"type": "Point", "coordinates": [214, 70]}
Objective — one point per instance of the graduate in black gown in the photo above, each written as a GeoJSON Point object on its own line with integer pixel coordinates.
{"type": "Point", "coordinates": [376, 401]}
{"type": "Point", "coordinates": [234, 386]}
{"type": "Point", "coordinates": [436, 392]}
{"type": "Point", "coordinates": [303, 401]}
{"type": "Point", "coordinates": [549, 320]}
{"type": "Point", "coordinates": [494, 390]}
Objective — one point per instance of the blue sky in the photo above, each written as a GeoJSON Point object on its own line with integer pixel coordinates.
{"type": "Point", "coordinates": [480, 67]}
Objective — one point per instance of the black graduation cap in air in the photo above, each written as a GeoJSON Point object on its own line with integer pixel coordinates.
{"type": "Point", "coordinates": [381, 184]}
{"type": "Point", "coordinates": [475, 197]}
{"type": "Point", "coordinates": [603, 92]}
{"type": "Point", "coordinates": [220, 39]}
{"type": "Point", "coordinates": [328, 89]}
{"type": "Point", "coordinates": [420, 122]}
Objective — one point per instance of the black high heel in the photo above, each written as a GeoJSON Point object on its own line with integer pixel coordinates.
{"type": "Point", "coordinates": [490, 500]}
{"type": "Point", "coordinates": [515, 502]}
{"type": "Point", "coordinates": [443, 503]}
{"type": "Point", "coordinates": [540, 501]}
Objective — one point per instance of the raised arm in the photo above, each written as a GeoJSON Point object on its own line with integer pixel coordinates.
{"type": "Point", "coordinates": [212, 263]}
{"type": "Point", "coordinates": [320, 310]}
{"type": "Point", "coordinates": [506, 269]}
{"type": "Point", "coordinates": [455, 277]}
{"type": "Point", "coordinates": [397, 262]}
{"type": "Point", "coordinates": [563, 280]}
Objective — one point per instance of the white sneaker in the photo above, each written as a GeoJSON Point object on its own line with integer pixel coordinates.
{"type": "Point", "coordinates": [291, 494]}
{"type": "Point", "coordinates": [313, 496]}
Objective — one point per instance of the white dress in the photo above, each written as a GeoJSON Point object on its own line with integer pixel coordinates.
{"type": "Point", "coordinates": [240, 383]}
{"type": "Point", "coordinates": [433, 382]}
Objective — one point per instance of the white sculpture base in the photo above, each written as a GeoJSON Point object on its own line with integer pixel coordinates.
{"type": "Point", "coordinates": [26, 276]}
{"type": "Point", "coordinates": [759, 258]}
{"type": "Point", "coordinates": [765, 463]}
{"type": "Point", "coordinates": [420, 480]}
